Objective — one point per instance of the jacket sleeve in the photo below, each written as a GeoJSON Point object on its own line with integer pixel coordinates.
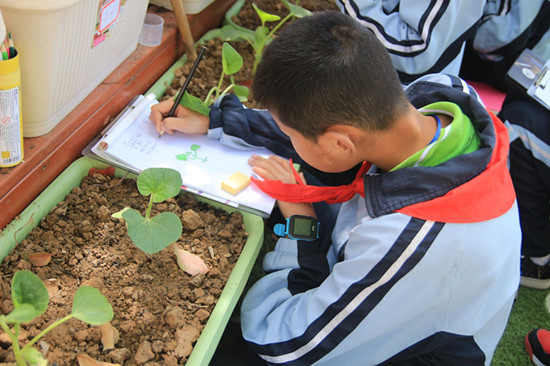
{"type": "Point", "coordinates": [422, 36]}
{"type": "Point", "coordinates": [290, 327]}
{"type": "Point", "coordinates": [242, 128]}
{"type": "Point", "coordinates": [509, 27]}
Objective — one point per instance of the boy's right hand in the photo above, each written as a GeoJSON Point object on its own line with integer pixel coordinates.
{"type": "Point", "coordinates": [185, 119]}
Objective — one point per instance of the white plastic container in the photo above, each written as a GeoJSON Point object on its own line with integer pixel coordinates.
{"type": "Point", "coordinates": [190, 6]}
{"type": "Point", "coordinates": [67, 48]}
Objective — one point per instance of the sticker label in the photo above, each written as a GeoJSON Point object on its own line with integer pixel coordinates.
{"type": "Point", "coordinates": [108, 13]}
{"type": "Point", "coordinates": [10, 127]}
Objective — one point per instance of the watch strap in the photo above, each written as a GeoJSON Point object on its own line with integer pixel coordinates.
{"type": "Point", "coordinates": [281, 229]}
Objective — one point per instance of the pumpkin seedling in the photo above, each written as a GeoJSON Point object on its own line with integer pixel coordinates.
{"type": "Point", "coordinates": [262, 36]}
{"type": "Point", "coordinates": [152, 234]}
{"type": "Point", "coordinates": [232, 62]}
{"type": "Point", "coordinates": [30, 300]}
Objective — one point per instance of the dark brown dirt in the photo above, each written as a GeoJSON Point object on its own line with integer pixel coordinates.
{"type": "Point", "coordinates": [159, 309]}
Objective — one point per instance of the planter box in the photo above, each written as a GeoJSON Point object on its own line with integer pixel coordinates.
{"type": "Point", "coordinates": [213, 330]}
{"type": "Point", "coordinates": [234, 11]}
{"type": "Point", "coordinates": [67, 48]}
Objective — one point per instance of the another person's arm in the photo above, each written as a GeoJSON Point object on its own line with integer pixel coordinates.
{"type": "Point", "coordinates": [422, 36]}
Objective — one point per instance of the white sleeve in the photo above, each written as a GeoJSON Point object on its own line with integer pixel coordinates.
{"type": "Point", "coordinates": [422, 36]}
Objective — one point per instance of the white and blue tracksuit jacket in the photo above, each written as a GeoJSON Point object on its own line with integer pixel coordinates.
{"type": "Point", "coordinates": [421, 36]}
{"type": "Point", "coordinates": [421, 271]}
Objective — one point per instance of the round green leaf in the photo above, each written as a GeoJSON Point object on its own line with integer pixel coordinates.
{"type": "Point", "coordinates": [22, 314]}
{"type": "Point", "coordinates": [27, 288]}
{"type": "Point", "coordinates": [231, 59]}
{"type": "Point", "coordinates": [153, 234]}
{"type": "Point", "coordinates": [161, 183]}
{"type": "Point", "coordinates": [91, 306]}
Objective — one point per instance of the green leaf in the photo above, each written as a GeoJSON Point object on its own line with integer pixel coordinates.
{"type": "Point", "coordinates": [118, 215]}
{"type": "Point", "coordinates": [27, 288]}
{"type": "Point", "coordinates": [153, 234]}
{"type": "Point", "coordinates": [265, 17]}
{"type": "Point", "coordinates": [181, 157]}
{"type": "Point", "coordinates": [33, 356]}
{"type": "Point", "coordinates": [241, 92]}
{"type": "Point", "coordinates": [298, 11]}
{"type": "Point", "coordinates": [195, 104]}
{"type": "Point", "coordinates": [231, 59]}
{"type": "Point", "coordinates": [161, 183]}
{"type": "Point", "coordinates": [91, 306]}
{"type": "Point", "coordinates": [22, 314]}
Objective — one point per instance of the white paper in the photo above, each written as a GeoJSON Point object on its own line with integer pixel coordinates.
{"type": "Point", "coordinates": [202, 162]}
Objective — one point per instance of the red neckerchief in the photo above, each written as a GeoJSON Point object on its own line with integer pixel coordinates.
{"type": "Point", "coordinates": [484, 197]}
{"type": "Point", "coordinates": [301, 192]}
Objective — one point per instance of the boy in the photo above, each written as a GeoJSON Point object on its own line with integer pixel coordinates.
{"type": "Point", "coordinates": [422, 263]}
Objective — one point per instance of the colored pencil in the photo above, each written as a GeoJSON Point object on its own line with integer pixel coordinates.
{"type": "Point", "coordinates": [7, 45]}
{"type": "Point", "coordinates": [11, 46]}
{"type": "Point", "coordinates": [4, 52]}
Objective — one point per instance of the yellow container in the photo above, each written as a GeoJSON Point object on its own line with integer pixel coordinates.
{"type": "Point", "coordinates": [68, 47]}
{"type": "Point", "coordinates": [11, 123]}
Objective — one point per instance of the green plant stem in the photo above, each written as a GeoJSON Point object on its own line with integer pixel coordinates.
{"type": "Point", "coordinates": [207, 99]}
{"type": "Point", "coordinates": [270, 34]}
{"type": "Point", "coordinates": [227, 89]}
{"type": "Point", "coordinates": [13, 335]}
{"type": "Point", "coordinates": [148, 212]}
{"type": "Point", "coordinates": [220, 85]}
{"type": "Point", "coordinates": [42, 333]}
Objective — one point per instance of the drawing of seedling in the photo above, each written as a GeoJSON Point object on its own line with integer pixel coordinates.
{"type": "Point", "coordinates": [192, 155]}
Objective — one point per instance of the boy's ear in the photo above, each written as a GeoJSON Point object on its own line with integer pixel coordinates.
{"type": "Point", "coordinates": [340, 141]}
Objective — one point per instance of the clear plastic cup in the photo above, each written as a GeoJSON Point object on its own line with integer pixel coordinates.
{"type": "Point", "coordinates": [151, 32]}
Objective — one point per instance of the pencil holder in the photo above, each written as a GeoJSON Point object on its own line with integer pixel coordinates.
{"type": "Point", "coordinates": [11, 123]}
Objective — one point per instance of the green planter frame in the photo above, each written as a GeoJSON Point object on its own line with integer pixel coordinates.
{"type": "Point", "coordinates": [206, 345]}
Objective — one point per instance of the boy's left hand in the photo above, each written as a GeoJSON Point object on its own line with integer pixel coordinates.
{"type": "Point", "coordinates": [277, 168]}
{"type": "Point", "coordinates": [273, 168]}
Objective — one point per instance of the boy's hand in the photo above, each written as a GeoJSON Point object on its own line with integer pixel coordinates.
{"type": "Point", "coordinates": [185, 119]}
{"type": "Point", "coordinates": [277, 168]}
{"type": "Point", "coordinates": [273, 168]}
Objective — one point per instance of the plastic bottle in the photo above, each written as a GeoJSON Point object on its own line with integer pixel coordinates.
{"type": "Point", "coordinates": [11, 123]}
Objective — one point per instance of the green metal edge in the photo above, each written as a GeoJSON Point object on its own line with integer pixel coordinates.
{"type": "Point", "coordinates": [71, 177]}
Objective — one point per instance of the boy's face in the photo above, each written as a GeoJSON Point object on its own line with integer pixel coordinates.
{"type": "Point", "coordinates": [323, 154]}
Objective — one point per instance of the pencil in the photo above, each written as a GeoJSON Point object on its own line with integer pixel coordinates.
{"type": "Point", "coordinates": [184, 86]}
{"type": "Point", "coordinates": [4, 52]}
{"type": "Point", "coordinates": [7, 45]}
{"type": "Point", "coordinates": [11, 46]}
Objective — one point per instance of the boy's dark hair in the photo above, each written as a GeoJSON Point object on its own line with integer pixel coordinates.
{"type": "Point", "coordinates": [328, 69]}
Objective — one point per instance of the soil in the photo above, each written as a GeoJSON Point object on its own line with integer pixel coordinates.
{"type": "Point", "coordinates": [159, 310]}
{"type": "Point", "coordinates": [209, 69]}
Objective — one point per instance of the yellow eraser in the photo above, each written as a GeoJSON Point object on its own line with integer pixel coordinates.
{"type": "Point", "coordinates": [236, 183]}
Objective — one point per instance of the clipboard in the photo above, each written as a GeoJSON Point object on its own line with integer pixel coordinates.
{"type": "Point", "coordinates": [532, 76]}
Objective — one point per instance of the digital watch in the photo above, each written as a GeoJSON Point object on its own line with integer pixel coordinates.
{"type": "Point", "coordinates": [299, 227]}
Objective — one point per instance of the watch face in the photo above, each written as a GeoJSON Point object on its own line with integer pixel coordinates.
{"type": "Point", "coordinates": [303, 227]}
